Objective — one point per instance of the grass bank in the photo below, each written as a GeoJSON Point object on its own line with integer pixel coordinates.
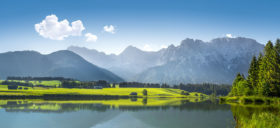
{"type": "Point", "coordinates": [247, 100]}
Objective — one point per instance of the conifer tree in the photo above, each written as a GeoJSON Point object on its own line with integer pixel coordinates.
{"type": "Point", "coordinates": [263, 74]}
{"type": "Point", "coordinates": [253, 73]}
{"type": "Point", "coordinates": [277, 67]}
{"type": "Point", "coordinates": [234, 90]}
{"type": "Point", "coordinates": [269, 72]}
{"type": "Point", "coordinates": [259, 61]}
{"type": "Point", "coordinates": [277, 46]}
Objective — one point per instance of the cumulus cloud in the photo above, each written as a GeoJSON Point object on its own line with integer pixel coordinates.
{"type": "Point", "coordinates": [109, 28]}
{"type": "Point", "coordinates": [53, 29]}
{"type": "Point", "coordinates": [229, 36]}
{"type": "Point", "coordinates": [90, 37]}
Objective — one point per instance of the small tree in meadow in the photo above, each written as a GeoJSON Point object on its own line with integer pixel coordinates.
{"type": "Point", "coordinates": [145, 92]}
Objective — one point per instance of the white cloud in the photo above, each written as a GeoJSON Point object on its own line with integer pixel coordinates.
{"type": "Point", "coordinates": [109, 28]}
{"type": "Point", "coordinates": [90, 37]}
{"type": "Point", "coordinates": [163, 46]}
{"type": "Point", "coordinates": [229, 36]}
{"type": "Point", "coordinates": [147, 47]}
{"type": "Point", "coordinates": [53, 29]}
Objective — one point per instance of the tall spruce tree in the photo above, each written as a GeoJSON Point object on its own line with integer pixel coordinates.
{"type": "Point", "coordinates": [277, 46]}
{"type": "Point", "coordinates": [253, 74]}
{"type": "Point", "coordinates": [269, 70]}
{"type": "Point", "coordinates": [277, 66]}
{"type": "Point", "coordinates": [259, 61]}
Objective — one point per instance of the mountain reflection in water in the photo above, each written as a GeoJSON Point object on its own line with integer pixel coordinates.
{"type": "Point", "coordinates": [127, 113]}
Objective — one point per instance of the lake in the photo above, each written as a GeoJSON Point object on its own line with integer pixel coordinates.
{"type": "Point", "coordinates": [124, 113]}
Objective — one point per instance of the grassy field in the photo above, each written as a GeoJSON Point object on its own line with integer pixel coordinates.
{"type": "Point", "coordinates": [52, 83]}
{"type": "Point", "coordinates": [3, 87]}
{"type": "Point", "coordinates": [45, 91]}
{"type": "Point", "coordinates": [152, 92]}
{"type": "Point", "coordinates": [47, 83]}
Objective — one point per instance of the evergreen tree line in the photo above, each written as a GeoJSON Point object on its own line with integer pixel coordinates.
{"type": "Point", "coordinates": [139, 85]}
{"type": "Point", "coordinates": [29, 78]}
{"type": "Point", "coordinates": [263, 75]}
{"type": "Point", "coordinates": [206, 88]}
{"type": "Point", "coordinates": [80, 84]}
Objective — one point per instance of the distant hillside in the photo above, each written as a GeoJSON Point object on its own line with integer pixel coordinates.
{"type": "Point", "coordinates": [193, 61]}
{"type": "Point", "coordinates": [127, 64]}
{"type": "Point", "coordinates": [58, 64]}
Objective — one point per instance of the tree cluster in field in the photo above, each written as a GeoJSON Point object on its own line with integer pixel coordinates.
{"type": "Point", "coordinates": [138, 85]}
{"type": "Point", "coordinates": [29, 78]}
{"type": "Point", "coordinates": [14, 83]}
{"type": "Point", "coordinates": [206, 88]}
{"type": "Point", "coordinates": [263, 75]}
{"type": "Point", "coordinates": [92, 84]}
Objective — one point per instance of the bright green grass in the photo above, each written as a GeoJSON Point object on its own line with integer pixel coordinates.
{"type": "Point", "coordinates": [53, 83]}
{"type": "Point", "coordinates": [152, 92]}
{"type": "Point", "coordinates": [47, 83]}
{"type": "Point", "coordinates": [3, 87]}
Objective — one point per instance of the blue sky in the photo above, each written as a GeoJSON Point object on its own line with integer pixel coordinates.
{"type": "Point", "coordinates": [146, 24]}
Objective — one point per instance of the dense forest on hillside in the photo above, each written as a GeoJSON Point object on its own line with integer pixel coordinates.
{"type": "Point", "coordinates": [263, 75]}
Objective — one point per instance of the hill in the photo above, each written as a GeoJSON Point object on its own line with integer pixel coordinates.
{"type": "Point", "coordinates": [58, 64]}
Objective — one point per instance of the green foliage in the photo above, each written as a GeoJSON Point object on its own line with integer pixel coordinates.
{"type": "Point", "coordinates": [263, 75]}
{"type": "Point", "coordinates": [235, 91]}
{"type": "Point", "coordinates": [145, 92]}
{"type": "Point", "coordinates": [253, 73]}
{"type": "Point", "coordinates": [256, 117]}
{"type": "Point", "coordinates": [185, 93]}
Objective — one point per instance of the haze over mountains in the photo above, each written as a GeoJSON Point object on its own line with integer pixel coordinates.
{"type": "Point", "coordinates": [193, 61]}
{"type": "Point", "coordinates": [58, 64]}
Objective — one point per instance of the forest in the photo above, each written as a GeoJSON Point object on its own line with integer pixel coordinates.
{"type": "Point", "coordinates": [263, 75]}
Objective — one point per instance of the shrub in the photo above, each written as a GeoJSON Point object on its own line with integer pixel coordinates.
{"type": "Point", "coordinates": [145, 92]}
{"type": "Point", "coordinates": [133, 94]}
{"type": "Point", "coordinates": [12, 87]}
{"type": "Point", "coordinates": [185, 93]}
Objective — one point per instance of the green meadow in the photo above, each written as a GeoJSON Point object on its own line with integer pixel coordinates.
{"type": "Point", "coordinates": [152, 92]}
{"type": "Point", "coordinates": [53, 89]}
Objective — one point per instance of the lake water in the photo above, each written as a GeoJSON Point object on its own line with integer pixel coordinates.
{"type": "Point", "coordinates": [127, 113]}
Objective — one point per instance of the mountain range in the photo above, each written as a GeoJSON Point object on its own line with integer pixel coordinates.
{"type": "Point", "coordinates": [193, 61]}
{"type": "Point", "coordinates": [58, 64]}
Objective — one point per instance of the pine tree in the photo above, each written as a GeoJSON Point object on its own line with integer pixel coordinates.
{"type": "Point", "coordinates": [263, 74]}
{"type": "Point", "coordinates": [277, 67]}
{"type": "Point", "coordinates": [269, 70]}
{"type": "Point", "coordinates": [235, 87]}
{"type": "Point", "coordinates": [259, 71]}
{"type": "Point", "coordinates": [253, 73]}
{"type": "Point", "coordinates": [277, 46]}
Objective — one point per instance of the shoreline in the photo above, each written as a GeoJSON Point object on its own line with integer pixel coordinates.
{"type": "Point", "coordinates": [249, 100]}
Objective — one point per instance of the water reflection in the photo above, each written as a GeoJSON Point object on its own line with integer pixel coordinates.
{"type": "Point", "coordinates": [256, 116]}
{"type": "Point", "coordinates": [124, 113]}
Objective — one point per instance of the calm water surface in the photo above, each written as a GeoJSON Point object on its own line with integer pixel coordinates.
{"type": "Point", "coordinates": [139, 113]}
